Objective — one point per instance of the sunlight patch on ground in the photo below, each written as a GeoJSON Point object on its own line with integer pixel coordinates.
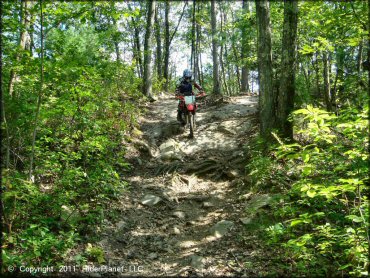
{"type": "Point", "coordinates": [189, 243]}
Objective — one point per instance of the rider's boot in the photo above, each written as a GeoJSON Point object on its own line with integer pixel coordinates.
{"type": "Point", "coordinates": [179, 117]}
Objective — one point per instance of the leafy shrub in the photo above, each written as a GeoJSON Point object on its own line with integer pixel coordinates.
{"type": "Point", "coordinates": [263, 172]}
{"type": "Point", "coordinates": [88, 109]}
{"type": "Point", "coordinates": [95, 253]}
{"type": "Point", "coordinates": [324, 218]}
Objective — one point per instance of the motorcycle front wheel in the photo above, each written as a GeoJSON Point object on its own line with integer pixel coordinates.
{"type": "Point", "coordinates": [191, 122]}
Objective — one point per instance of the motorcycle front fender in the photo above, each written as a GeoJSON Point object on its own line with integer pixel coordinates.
{"type": "Point", "coordinates": [190, 107]}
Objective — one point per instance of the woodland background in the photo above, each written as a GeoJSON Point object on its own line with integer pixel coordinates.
{"type": "Point", "coordinates": [74, 76]}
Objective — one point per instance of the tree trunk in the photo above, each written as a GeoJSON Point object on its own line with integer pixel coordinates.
{"type": "Point", "coordinates": [192, 64]}
{"type": "Point", "coordinates": [216, 75]}
{"type": "Point", "coordinates": [315, 65]}
{"type": "Point", "coordinates": [326, 75]}
{"type": "Point", "coordinates": [166, 43]}
{"type": "Point", "coordinates": [40, 91]}
{"type": "Point", "coordinates": [168, 40]}
{"type": "Point", "coordinates": [338, 89]}
{"type": "Point", "coordinates": [368, 50]}
{"type": "Point", "coordinates": [159, 45]}
{"type": "Point", "coordinates": [245, 48]}
{"type": "Point", "coordinates": [223, 74]}
{"type": "Point", "coordinates": [31, 31]}
{"type": "Point", "coordinates": [138, 51]}
{"type": "Point", "coordinates": [306, 78]}
{"type": "Point", "coordinates": [23, 42]}
{"type": "Point", "coordinates": [201, 68]}
{"type": "Point", "coordinates": [230, 74]}
{"type": "Point", "coordinates": [116, 46]}
{"type": "Point", "coordinates": [265, 77]}
{"type": "Point", "coordinates": [197, 58]}
{"type": "Point", "coordinates": [359, 57]}
{"type": "Point", "coordinates": [236, 65]}
{"type": "Point", "coordinates": [244, 87]}
{"type": "Point", "coordinates": [148, 49]}
{"type": "Point", "coordinates": [236, 58]}
{"type": "Point", "coordinates": [115, 40]}
{"type": "Point", "coordinates": [137, 47]}
{"type": "Point", "coordinates": [288, 67]}
{"type": "Point", "coordinates": [194, 43]}
{"type": "Point", "coordinates": [134, 55]}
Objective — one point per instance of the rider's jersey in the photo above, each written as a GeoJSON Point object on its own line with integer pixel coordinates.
{"type": "Point", "coordinates": [185, 88]}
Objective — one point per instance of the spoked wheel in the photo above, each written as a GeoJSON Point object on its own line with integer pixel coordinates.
{"type": "Point", "coordinates": [194, 124]}
{"type": "Point", "coordinates": [190, 121]}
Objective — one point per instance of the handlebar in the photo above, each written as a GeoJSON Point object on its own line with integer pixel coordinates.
{"type": "Point", "coordinates": [202, 94]}
{"type": "Point", "coordinates": [181, 97]}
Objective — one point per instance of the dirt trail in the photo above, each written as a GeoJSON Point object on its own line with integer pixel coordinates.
{"type": "Point", "coordinates": [182, 213]}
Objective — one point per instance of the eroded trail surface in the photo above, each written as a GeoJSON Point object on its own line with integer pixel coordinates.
{"type": "Point", "coordinates": [183, 214]}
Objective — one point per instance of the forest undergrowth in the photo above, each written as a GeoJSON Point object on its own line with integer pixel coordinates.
{"type": "Point", "coordinates": [320, 215]}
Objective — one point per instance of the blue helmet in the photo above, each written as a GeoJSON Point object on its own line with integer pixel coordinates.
{"type": "Point", "coordinates": [187, 73]}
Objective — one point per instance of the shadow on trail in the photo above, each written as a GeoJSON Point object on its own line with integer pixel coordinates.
{"type": "Point", "coordinates": [154, 236]}
{"type": "Point", "coordinates": [198, 188]}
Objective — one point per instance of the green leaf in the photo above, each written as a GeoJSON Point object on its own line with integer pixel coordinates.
{"type": "Point", "coordinates": [305, 157]}
{"type": "Point", "coordinates": [355, 218]}
{"type": "Point", "coordinates": [306, 49]}
{"type": "Point", "coordinates": [296, 222]}
{"type": "Point", "coordinates": [307, 170]}
{"type": "Point", "coordinates": [354, 41]}
{"type": "Point", "coordinates": [101, 259]}
{"type": "Point", "coordinates": [311, 193]}
{"type": "Point", "coordinates": [301, 111]}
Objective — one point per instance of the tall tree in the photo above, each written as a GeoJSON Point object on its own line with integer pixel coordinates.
{"type": "Point", "coordinates": [315, 63]}
{"type": "Point", "coordinates": [223, 54]}
{"type": "Point", "coordinates": [23, 42]}
{"type": "Point", "coordinates": [166, 43]}
{"type": "Point", "coordinates": [235, 53]}
{"type": "Point", "coordinates": [3, 117]}
{"type": "Point", "coordinates": [245, 71]}
{"type": "Point", "coordinates": [197, 62]}
{"type": "Point", "coordinates": [148, 49]}
{"type": "Point", "coordinates": [265, 74]}
{"type": "Point", "coordinates": [136, 44]}
{"type": "Point", "coordinates": [340, 58]}
{"type": "Point", "coordinates": [216, 75]}
{"type": "Point", "coordinates": [36, 121]}
{"type": "Point", "coordinates": [368, 49]}
{"type": "Point", "coordinates": [168, 39]}
{"type": "Point", "coordinates": [326, 62]}
{"type": "Point", "coordinates": [159, 44]}
{"type": "Point", "coordinates": [194, 43]}
{"type": "Point", "coordinates": [288, 68]}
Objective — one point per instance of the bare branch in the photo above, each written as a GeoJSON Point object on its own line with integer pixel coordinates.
{"type": "Point", "coordinates": [357, 17]}
{"type": "Point", "coordinates": [174, 32]}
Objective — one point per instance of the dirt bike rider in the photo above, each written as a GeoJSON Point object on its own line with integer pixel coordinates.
{"type": "Point", "coordinates": [185, 88]}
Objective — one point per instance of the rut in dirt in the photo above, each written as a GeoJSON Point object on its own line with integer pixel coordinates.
{"type": "Point", "coordinates": [184, 211]}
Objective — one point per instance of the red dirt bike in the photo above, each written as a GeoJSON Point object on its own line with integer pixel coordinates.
{"type": "Point", "coordinates": [188, 108]}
